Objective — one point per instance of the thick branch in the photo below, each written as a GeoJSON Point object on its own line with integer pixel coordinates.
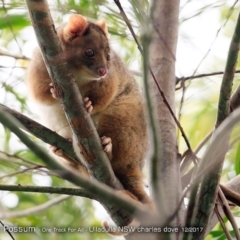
{"type": "Point", "coordinates": [162, 61]}
{"type": "Point", "coordinates": [68, 94]}
{"type": "Point", "coordinates": [101, 192]}
{"type": "Point", "coordinates": [43, 133]}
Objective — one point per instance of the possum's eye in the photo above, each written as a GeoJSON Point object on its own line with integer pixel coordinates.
{"type": "Point", "coordinates": [89, 53]}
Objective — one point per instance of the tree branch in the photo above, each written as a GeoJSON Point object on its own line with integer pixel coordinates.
{"type": "Point", "coordinates": [231, 195]}
{"type": "Point", "coordinates": [232, 185]}
{"type": "Point", "coordinates": [156, 188]}
{"type": "Point", "coordinates": [43, 133]}
{"type": "Point", "coordinates": [101, 192]}
{"type": "Point", "coordinates": [228, 213]}
{"type": "Point", "coordinates": [16, 56]}
{"type": "Point", "coordinates": [165, 22]}
{"type": "Point", "coordinates": [57, 190]}
{"type": "Point", "coordinates": [33, 210]}
{"type": "Point", "coordinates": [183, 79]}
{"type": "Point", "coordinates": [68, 94]}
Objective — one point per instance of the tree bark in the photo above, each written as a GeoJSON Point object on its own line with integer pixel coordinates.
{"type": "Point", "coordinates": [162, 62]}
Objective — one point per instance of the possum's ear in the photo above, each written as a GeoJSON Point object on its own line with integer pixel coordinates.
{"type": "Point", "coordinates": [102, 24]}
{"type": "Point", "coordinates": [76, 26]}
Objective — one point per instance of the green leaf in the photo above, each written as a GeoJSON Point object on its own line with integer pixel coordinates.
{"type": "Point", "coordinates": [237, 160]}
{"type": "Point", "coordinates": [14, 21]}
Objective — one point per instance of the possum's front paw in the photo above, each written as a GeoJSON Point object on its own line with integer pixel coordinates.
{"type": "Point", "coordinates": [53, 90]}
{"type": "Point", "coordinates": [56, 151]}
{"type": "Point", "coordinates": [88, 104]}
{"type": "Point", "coordinates": [107, 146]}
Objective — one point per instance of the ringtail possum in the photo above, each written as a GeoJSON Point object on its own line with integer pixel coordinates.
{"type": "Point", "coordinates": [110, 94]}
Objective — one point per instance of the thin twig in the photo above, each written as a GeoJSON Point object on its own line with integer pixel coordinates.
{"type": "Point", "coordinates": [6, 229]}
{"type": "Point", "coordinates": [228, 212]}
{"type": "Point", "coordinates": [16, 56]}
{"type": "Point", "coordinates": [20, 172]}
{"type": "Point", "coordinates": [220, 219]}
{"type": "Point", "coordinates": [231, 195]}
{"type": "Point", "coordinates": [42, 189]}
{"type": "Point", "coordinates": [20, 158]}
{"type": "Point", "coordinates": [34, 210]}
{"type": "Point", "coordinates": [183, 79]}
{"type": "Point", "coordinates": [218, 31]}
{"type": "Point", "coordinates": [10, 25]}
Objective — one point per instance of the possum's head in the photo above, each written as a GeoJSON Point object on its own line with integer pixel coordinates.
{"type": "Point", "coordinates": [85, 45]}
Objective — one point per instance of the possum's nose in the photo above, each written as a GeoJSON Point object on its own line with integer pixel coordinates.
{"type": "Point", "coordinates": [102, 71]}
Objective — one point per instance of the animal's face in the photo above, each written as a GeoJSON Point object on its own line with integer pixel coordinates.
{"type": "Point", "coordinates": [86, 47]}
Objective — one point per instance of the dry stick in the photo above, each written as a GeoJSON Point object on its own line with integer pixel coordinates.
{"type": "Point", "coordinates": [69, 95]}
{"type": "Point", "coordinates": [229, 237]}
{"type": "Point", "coordinates": [33, 210]}
{"type": "Point", "coordinates": [234, 185]}
{"type": "Point", "coordinates": [172, 113]}
{"type": "Point", "coordinates": [20, 158]}
{"type": "Point", "coordinates": [200, 76]}
{"type": "Point", "coordinates": [20, 172]}
{"type": "Point", "coordinates": [231, 195]}
{"type": "Point", "coordinates": [123, 14]}
{"type": "Point", "coordinates": [16, 56]}
{"type": "Point", "coordinates": [228, 212]}
{"type": "Point", "coordinates": [53, 190]}
{"type": "Point", "coordinates": [7, 230]}
{"type": "Point", "coordinates": [184, 90]}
